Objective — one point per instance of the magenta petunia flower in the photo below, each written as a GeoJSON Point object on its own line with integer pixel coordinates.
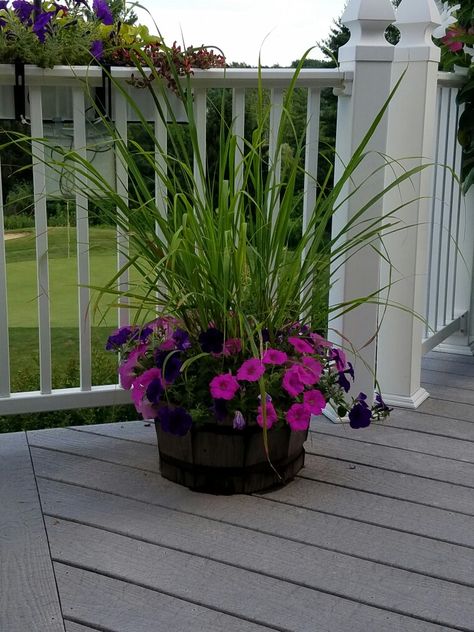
{"type": "Point", "coordinates": [224, 386]}
{"type": "Point", "coordinates": [314, 401]}
{"type": "Point", "coordinates": [298, 417]}
{"type": "Point", "coordinates": [450, 41]}
{"type": "Point", "coordinates": [168, 345]}
{"type": "Point", "coordinates": [292, 381]}
{"type": "Point", "coordinates": [300, 345]}
{"type": "Point", "coordinates": [274, 356]}
{"type": "Point", "coordinates": [233, 346]}
{"type": "Point", "coordinates": [251, 370]}
{"type": "Point", "coordinates": [140, 393]}
{"type": "Point", "coordinates": [272, 417]}
{"type": "Point", "coordinates": [314, 366]}
{"type": "Point", "coordinates": [319, 341]}
{"type": "Point", "coordinates": [127, 367]}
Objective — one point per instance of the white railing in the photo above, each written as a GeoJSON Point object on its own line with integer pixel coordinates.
{"type": "Point", "coordinates": [70, 97]}
{"type": "Point", "coordinates": [436, 253]}
{"type": "Point", "coordinates": [451, 228]}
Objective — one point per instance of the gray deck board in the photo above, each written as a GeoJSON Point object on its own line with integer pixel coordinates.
{"type": "Point", "coordinates": [386, 435]}
{"type": "Point", "coordinates": [465, 382]}
{"type": "Point", "coordinates": [112, 604]}
{"type": "Point", "coordinates": [373, 543]}
{"type": "Point", "coordinates": [453, 410]}
{"type": "Point", "coordinates": [261, 553]}
{"type": "Point", "coordinates": [431, 424]}
{"type": "Point", "coordinates": [71, 626]}
{"type": "Point", "coordinates": [28, 596]}
{"type": "Point", "coordinates": [449, 366]}
{"type": "Point", "coordinates": [348, 449]}
{"type": "Point", "coordinates": [375, 534]}
{"type": "Point", "coordinates": [393, 484]}
{"type": "Point", "coordinates": [228, 589]}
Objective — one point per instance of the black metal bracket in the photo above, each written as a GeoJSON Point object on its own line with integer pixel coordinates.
{"type": "Point", "coordinates": [103, 95]}
{"type": "Point", "coordinates": [19, 91]}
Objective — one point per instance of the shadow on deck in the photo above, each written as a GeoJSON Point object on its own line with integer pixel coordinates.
{"type": "Point", "coordinates": [377, 534]}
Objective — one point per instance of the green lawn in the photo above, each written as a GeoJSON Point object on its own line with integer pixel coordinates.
{"type": "Point", "coordinates": [21, 276]}
{"type": "Point", "coordinates": [23, 318]}
{"type": "Point", "coordinates": [23, 312]}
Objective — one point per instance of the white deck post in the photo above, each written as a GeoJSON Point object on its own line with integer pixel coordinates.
{"type": "Point", "coordinates": [412, 125]}
{"type": "Point", "coordinates": [369, 57]}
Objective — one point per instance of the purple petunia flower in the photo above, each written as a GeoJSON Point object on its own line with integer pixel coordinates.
{"type": "Point", "coordinates": [177, 421]}
{"type": "Point", "coordinates": [339, 357]}
{"type": "Point", "coordinates": [219, 408]}
{"type": "Point", "coordinates": [380, 407]}
{"type": "Point", "coordinates": [3, 5]}
{"type": "Point", "coordinates": [212, 340]}
{"type": "Point", "coordinates": [119, 337]}
{"type": "Point", "coordinates": [40, 26]}
{"type": "Point", "coordinates": [360, 415]}
{"type": "Point", "coordinates": [181, 339]}
{"type": "Point", "coordinates": [239, 421]}
{"type": "Point", "coordinates": [23, 10]}
{"type": "Point", "coordinates": [343, 381]}
{"type": "Point", "coordinates": [170, 365]}
{"type": "Point", "coordinates": [154, 390]}
{"type": "Point", "coordinates": [103, 12]}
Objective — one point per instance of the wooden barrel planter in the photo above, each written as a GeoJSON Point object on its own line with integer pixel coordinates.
{"type": "Point", "coordinates": [220, 460]}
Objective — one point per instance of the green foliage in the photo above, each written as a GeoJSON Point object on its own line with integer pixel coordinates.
{"type": "Point", "coordinates": [20, 199]}
{"type": "Point", "coordinates": [221, 251]}
{"type": "Point", "coordinates": [65, 346]}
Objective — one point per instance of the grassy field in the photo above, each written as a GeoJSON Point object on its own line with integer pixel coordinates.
{"type": "Point", "coordinates": [23, 329]}
{"type": "Point", "coordinates": [21, 276]}
{"type": "Point", "coordinates": [23, 319]}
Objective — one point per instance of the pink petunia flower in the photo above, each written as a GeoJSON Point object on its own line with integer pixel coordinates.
{"type": "Point", "coordinates": [313, 367]}
{"type": "Point", "coordinates": [298, 417]}
{"type": "Point", "coordinates": [292, 381]}
{"type": "Point", "coordinates": [147, 409]}
{"type": "Point", "coordinates": [167, 345]}
{"type": "Point", "coordinates": [251, 370]}
{"type": "Point", "coordinates": [274, 356]}
{"type": "Point", "coordinates": [272, 417]}
{"type": "Point", "coordinates": [126, 368]}
{"type": "Point", "coordinates": [319, 341]}
{"type": "Point", "coordinates": [450, 40]}
{"type": "Point", "coordinates": [314, 401]}
{"type": "Point", "coordinates": [300, 345]}
{"type": "Point", "coordinates": [233, 346]}
{"type": "Point", "coordinates": [224, 386]}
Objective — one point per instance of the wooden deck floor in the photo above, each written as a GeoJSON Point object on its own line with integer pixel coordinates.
{"type": "Point", "coordinates": [377, 534]}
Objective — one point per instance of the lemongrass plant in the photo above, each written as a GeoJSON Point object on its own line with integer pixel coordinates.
{"type": "Point", "coordinates": [211, 258]}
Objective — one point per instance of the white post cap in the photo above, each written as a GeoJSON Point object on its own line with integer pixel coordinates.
{"type": "Point", "coordinates": [416, 21]}
{"type": "Point", "coordinates": [367, 21]}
